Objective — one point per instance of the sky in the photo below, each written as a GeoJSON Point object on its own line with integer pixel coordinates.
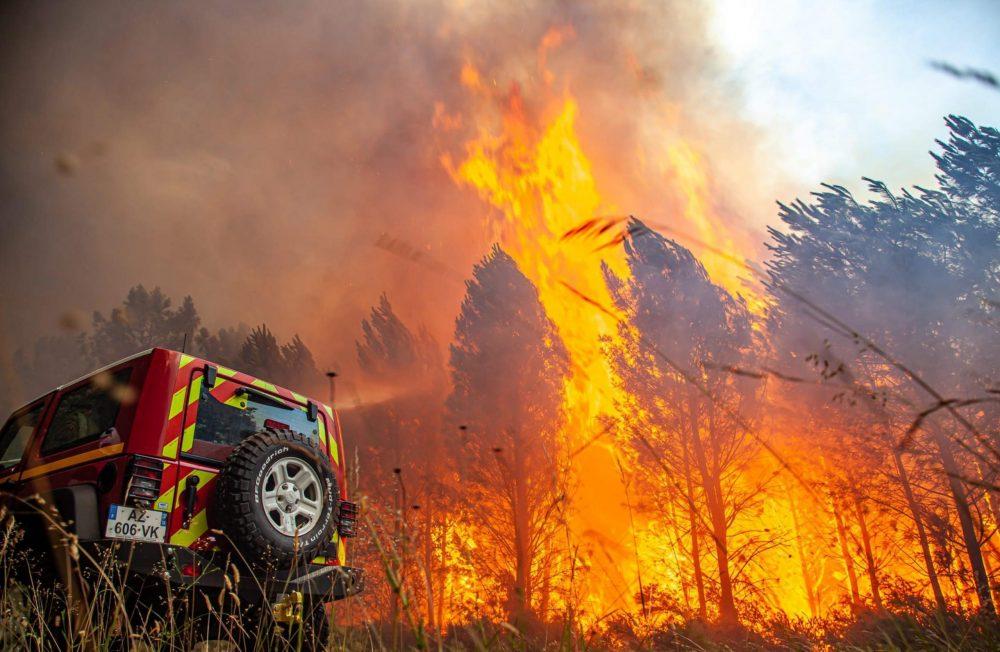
{"type": "Point", "coordinates": [254, 154]}
{"type": "Point", "coordinates": [843, 89]}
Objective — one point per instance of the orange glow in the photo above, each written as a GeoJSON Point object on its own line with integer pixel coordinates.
{"type": "Point", "coordinates": [540, 185]}
{"type": "Point", "coordinates": [527, 164]}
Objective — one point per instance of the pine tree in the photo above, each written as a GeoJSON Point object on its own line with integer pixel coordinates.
{"type": "Point", "coordinates": [224, 345]}
{"type": "Point", "coordinates": [910, 282]}
{"type": "Point", "coordinates": [508, 369]}
{"type": "Point", "coordinates": [144, 320]}
{"type": "Point", "coordinates": [261, 355]}
{"type": "Point", "coordinates": [686, 412]}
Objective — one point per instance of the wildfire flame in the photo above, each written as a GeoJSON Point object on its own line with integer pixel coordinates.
{"type": "Point", "coordinates": [535, 175]}
{"type": "Point", "coordinates": [526, 162]}
{"type": "Point", "coordinates": [540, 183]}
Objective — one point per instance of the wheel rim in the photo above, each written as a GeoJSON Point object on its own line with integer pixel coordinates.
{"type": "Point", "coordinates": [292, 497]}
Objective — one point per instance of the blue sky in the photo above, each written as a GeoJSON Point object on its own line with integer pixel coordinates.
{"type": "Point", "coordinates": [844, 89]}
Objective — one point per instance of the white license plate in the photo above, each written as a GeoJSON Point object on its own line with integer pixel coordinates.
{"type": "Point", "coordinates": [134, 524]}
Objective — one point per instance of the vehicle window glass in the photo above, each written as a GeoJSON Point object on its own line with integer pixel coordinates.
{"type": "Point", "coordinates": [15, 435]}
{"type": "Point", "coordinates": [220, 426]}
{"type": "Point", "coordinates": [86, 412]}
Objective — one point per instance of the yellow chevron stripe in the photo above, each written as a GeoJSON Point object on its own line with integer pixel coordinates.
{"type": "Point", "coordinates": [298, 397]}
{"type": "Point", "coordinates": [167, 498]}
{"type": "Point", "coordinates": [170, 448]}
{"type": "Point", "coordinates": [265, 385]}
{"type": "Point", "coordinates": [197, 527]}
{"type": "Point", "coordinates": [237, 401]}
{"type": "Point", "coordinates": [199, 524]}
{"type": "Point", "coordinates": [329, 410]}
{"type": "Point", "coordinates": [177, 402]}
{"type": "Point", "coordinates": [195, 390]}
{"type": "Point", "coordinates": [96, 454]}
{"type": "Point", "coordinates": [322, 432]}
{"type": "Point", "coordinates": [185, 360]}
{"type": "Point", "coordinates": [187, 439]}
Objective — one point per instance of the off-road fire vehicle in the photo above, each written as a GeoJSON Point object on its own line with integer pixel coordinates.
{"type": "Point", "coordinates": [186, 468]}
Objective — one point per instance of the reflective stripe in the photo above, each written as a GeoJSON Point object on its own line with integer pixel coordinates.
{"type": "Point", "coordinates": [237, 401]}
{"type": "Point", "coordinates": [170, 448]}
{"type": "Point", "coordinates": [265, 385]}
{"type": "Point", "coordinates": [322, 432]}
{"type": "Point", "coordinates": [185, 360]}
{"type": "Point", "coordinates": [95, 454]}
{"type": "Point", "coordinates": [197, 527]}
{"type": "Point", "coordinates": [167, 498]}
{"type": "Point", "coordinates": [199, 523]}
{"type": "Point", "coordinates": [188, 439]}
{"type": "Point", "coordinates": [177, 402]}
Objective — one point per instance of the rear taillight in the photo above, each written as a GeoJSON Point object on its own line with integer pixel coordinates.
{"type": "Point", "coordinates": [143, 479]}
{"type": "Point", "coordinates": [347, 525]}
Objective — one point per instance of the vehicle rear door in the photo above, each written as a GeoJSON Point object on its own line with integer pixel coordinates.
{"type": "Point", "coordinates": [222, 408]}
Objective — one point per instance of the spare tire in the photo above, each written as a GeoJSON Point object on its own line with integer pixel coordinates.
{"type": "Point", "coordinates": [277, 499]}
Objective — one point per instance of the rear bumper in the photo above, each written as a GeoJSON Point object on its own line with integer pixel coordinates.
{"type": "Point", "coordinates": [182, 567]}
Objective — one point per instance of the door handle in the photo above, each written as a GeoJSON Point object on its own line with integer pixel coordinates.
{"type": "Point", "coordinates": [190, 499]}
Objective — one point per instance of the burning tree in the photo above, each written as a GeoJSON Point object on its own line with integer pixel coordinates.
{"type": "Point", "coordinates": [892, 304]}
{"type": "Point", "coordinates": [685, 415]}
{"type": "Point", "coordinates": [508, 370]}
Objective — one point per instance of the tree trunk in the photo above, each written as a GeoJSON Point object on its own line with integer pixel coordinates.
{"type": "Point", "coordinates": [969, 537]}
{"type": "Point", "coordinates": [866, 542]}
{"type": "Point", "coordinates": [520, 598]}
{"type": "Point", "coordinates": [676, 529]}
{"type": "Point", "coordinates": [546, 588]}
{"type": "Point", "coordinates": [717, 513]}
{"type": "Point", "coordinates": [442, 571]}
{"type": "Point", "coordinates": [806, 575]}
{"type": "Point", "coordinates": [925, 548]}
{"type": "Point", "coordinates": [845, 552]}
{"type": "Point", "coordinates": [699, 577]}
{"type": "Point", "coordinates": [429, 551]}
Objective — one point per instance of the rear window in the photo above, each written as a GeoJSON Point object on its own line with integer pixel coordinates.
{"type": "Point", "coordinates": [220, 426]}
{"type": "Point", "coordinates": [87, 412]}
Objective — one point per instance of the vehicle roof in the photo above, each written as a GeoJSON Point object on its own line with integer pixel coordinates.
{"type": "Point", "coordinates": [60, 387]}
{"type": "Point", "coordinates": [135, 356]}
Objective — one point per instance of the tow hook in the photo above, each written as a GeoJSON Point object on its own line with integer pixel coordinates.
{"type": "Point", "coordinates": [288, 608]}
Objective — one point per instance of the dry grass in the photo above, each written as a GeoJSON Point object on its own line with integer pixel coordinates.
{"type": "Point", "coordinates": [95, 606]}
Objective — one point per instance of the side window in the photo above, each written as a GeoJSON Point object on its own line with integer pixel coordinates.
{"type": "Point", "coordinates": [86, 412]}
{"type": "Point", "coordinates": [15, 435]}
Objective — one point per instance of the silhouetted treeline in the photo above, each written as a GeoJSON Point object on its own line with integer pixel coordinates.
{"type": "Point", "coordinates": [146, 319]}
